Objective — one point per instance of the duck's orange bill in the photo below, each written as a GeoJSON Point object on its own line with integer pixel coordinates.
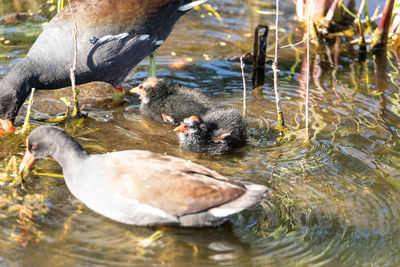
{"type": "Point", "coordinates": [27, 161]}
{"type": "Point", "coordinates": [181, 128]}
{"type": "Point", "coordinates": [7, 125]}
{"type": "Point", "coordinates": [139, 90]}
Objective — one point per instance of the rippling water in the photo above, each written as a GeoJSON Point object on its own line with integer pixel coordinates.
{"type": "Point", "coordinates": [335, 204]}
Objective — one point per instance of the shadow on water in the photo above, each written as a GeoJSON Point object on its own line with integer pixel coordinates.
{"type": "Point", "coordinates": [337, 203]}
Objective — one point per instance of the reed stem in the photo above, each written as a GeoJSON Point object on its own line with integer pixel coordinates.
{"type": "Point", "coordinates": [244, 87]}
{"type": "Point", "coordinates": [60, 5]}
{"type": "Point", "coordinates": [307, 136]}
{"type": "Point", "coordinates": [27, 127]}
{"type": "Point", "coordinates": [76, 112]}
{"type": "Point", "coordinates": [281, 122]}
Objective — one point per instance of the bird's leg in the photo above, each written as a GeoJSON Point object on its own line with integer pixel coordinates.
{"type": "Point", "coordinates": [145, 242]}
{"type": "Point", "coordinates": [152, 65]}
{"type": "Point", "coordinates": [27, 127]}
{"type": "Point", "coordinates": [76, 113]}
{"type": "Point", "coordinates": [118, 95]}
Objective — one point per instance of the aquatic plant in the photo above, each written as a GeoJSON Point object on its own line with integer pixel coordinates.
{"type": "Point", "coordinates": [60, 5]}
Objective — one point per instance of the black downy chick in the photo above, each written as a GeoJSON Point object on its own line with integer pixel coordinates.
{"type": "Point", "coordinates": [169, 103]}
{"type": "Point", "coordinates": [218, 131]}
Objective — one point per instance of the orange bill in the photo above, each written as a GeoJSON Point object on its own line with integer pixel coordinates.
{"type": "Point", "coordinates": [181, 128]}
{"type": "Point", "coordinates": [7, 125]}
{"type": "Point", "coordinates": [139, 90]}
{"type": "Point", "coordinates": [148, 83]}
{"type": "Point", "coordinates": [27, 161]}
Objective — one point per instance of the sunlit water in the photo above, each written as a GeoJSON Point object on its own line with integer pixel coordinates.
{"type": "Point", "coordinates": [334, 204]}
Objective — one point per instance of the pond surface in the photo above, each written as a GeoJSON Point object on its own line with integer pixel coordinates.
{"type": "Point", "coordinates": [334, 204]}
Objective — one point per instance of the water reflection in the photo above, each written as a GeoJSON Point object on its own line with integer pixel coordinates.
{"type": "Point", "coordinates": [337, 203]}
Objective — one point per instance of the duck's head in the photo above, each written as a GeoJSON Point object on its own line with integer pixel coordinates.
{"type": "Point", "coordinates": [10, 104]}
{"type": "Point", "coordinates": [40, 144]}
{"type": "Point", "coordinates": [50, 141]}
{"type": "Point", "coordinates": [189, 125]}
{"type": "Point", "coordinates": [152, 88]}
{"type": "Point", "coordinates": [15, 88]}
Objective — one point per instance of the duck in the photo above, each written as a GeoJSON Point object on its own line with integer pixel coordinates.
{"type": "Point", "coordinates": [220, 130]}
{"type": "Point", "coordinates": [169, 103]}
{"type": "Point", "coordinates": [141, 187]}
{"type": "Point", "coordinates": [113, 36]}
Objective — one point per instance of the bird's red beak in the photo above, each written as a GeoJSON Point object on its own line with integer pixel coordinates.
{"type": "Point", "coordinates": [28, 159]}
{"type": "Point", "coordinates": [7, 125]}
{"type": "Point", "coordinates": [181, 128]}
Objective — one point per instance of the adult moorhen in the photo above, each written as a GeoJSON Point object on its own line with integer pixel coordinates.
{"type": "Point", "coordinates": [112, 37]}
{"type": "Point", "coordinates": [142, 187]}
{"type": "Point", "coordinates": [218, 131]}
{"type": "Point", "coordinates": [169, 103]}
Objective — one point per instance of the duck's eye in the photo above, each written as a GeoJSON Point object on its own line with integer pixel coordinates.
{"type": "Point", "coordinates": [191, 125]}
{"type": "Point", "coordinates": [144, 87]}
{"type": "Point", "coordinates": [34, 146]}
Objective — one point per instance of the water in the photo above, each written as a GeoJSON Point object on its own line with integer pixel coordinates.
{"type": "Point", "coordinates": [336, 203]}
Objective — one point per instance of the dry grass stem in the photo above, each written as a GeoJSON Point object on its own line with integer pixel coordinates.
{"type": "Point", "coordinates": [292, 45]}
{"type": "Point", "coordinates": [307, 137]}
{"type": "Point", "coordinates": [281, 123]}
{"type": "Point", "coordinates": [244, 87]}
{"type": "Point", "coordinates": [76, 112]}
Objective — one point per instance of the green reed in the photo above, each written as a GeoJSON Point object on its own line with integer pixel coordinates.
{"type": "Point", "coordinates": [60, 5]}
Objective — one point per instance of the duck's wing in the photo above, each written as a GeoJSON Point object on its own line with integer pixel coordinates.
{"type": "Point", "coordinates": [176, 186]}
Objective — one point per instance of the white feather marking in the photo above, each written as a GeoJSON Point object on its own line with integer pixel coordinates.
{"type": "Point", "coordinates": [222, 212]}
{"type": "Point", "coordinates": [138, 207]}
{"type": "Point", "coordinates": [112, 37]}
{"type": "Point", "coordinates": [150, 210]}
{"type": "Point", "coordinates": [122, 35]}
{"type": "Point", "coordinates": [143, 37]}
{"type": "Point", "coordinates": [191, 5]}
{"type": "Point", "coordinates": [159, 42]}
